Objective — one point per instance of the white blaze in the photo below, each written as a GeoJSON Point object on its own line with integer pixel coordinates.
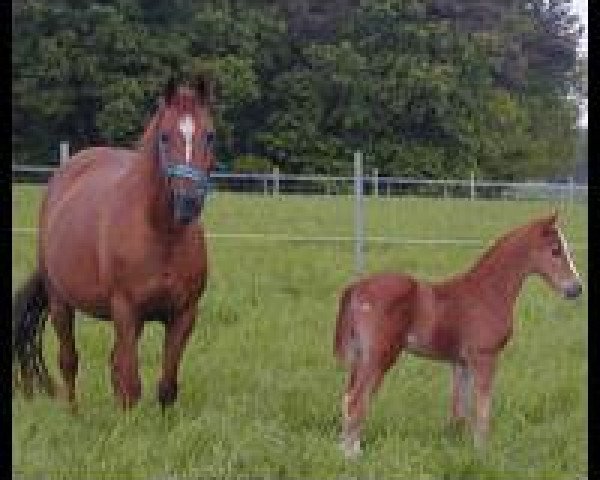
{"type": "Point", "coordinates": [565, 248]}
{"type": "Point", "coordinates": [186, 126]}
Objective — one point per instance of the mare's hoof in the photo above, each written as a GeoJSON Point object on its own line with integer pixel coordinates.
{"type": "Point", "coordinates": [61, 392]}
{"type": "Point", "coordinates": [50, 388]}
{"type": "Point", "coordinates": [166, 395]}
{"type": "Point", "coordinates": [73, 407]}
{"type": "Point", "coordinates": [128, 400]}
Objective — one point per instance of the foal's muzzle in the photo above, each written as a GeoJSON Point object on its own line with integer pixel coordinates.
{"type": "Point", "coordinates": [572, 289]}
{"type": "Point", "coordinates": [187, 206]}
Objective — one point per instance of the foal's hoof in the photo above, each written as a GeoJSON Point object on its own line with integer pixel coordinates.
{"type": "Point", "coordinates": [166, 395]}
{"type": "Point", "coordinates": [350, 448]}
{"type": "Point", "coordinates": [479, 444]}
{"type": "Point", "coordinates": [457, 424]}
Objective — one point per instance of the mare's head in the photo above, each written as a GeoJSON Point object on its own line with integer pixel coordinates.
{"type": "Point", "coordinates": [551, 257]}
{"type": "Point", "coordinates": [184, 137]}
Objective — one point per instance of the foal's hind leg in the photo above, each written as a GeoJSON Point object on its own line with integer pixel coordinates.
{"type": "Point", "coordinates": [177, 332]}
{"type": "Point", "coordinates": [365, 379]}
{"type": "Point", "coordinates": [62, 318]}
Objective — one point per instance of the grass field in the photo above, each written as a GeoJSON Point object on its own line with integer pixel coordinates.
{"type": "Point", "coordinates": [259, 388]}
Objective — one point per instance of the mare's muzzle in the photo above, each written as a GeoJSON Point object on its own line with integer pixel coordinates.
{"type": "Point", "coordinates": [187, 203]}
{"type": "Point", "coordinates": [186, 206]}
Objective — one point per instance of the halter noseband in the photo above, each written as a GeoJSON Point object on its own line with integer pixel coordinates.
{"type": "Point", "coordinates": [200, 178]}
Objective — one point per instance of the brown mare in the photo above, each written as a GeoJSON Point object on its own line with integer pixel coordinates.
{"type": "Point", "coordinates": [118, 240]}
{"type": "Point", "coordinates": [465, 320]}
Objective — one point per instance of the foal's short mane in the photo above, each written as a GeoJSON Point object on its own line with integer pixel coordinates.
{"type": "Point", "coordinates": [499, 243]}
{"type": "Point", "coordinates": [512, 238]}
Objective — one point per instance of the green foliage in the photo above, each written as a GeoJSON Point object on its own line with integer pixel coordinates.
{"type": "Point", "coordinates": [252, 164]}
{"type": "Point", "coordinates": [425, 87]}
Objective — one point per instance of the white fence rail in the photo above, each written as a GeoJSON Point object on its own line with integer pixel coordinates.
{"type": "Point", "coordinates": [368, 210]}
{"type": "Point", "coordinates": [372, 185]}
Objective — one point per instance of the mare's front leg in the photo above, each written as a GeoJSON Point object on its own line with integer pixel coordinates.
{"type": "Point", "coordinates": [460, 393]}
{"type": "Point", "coordinates": [124, 357]}
{"type": "Point", "coordinates": [177, 332]}
{"type": "Point", "coordinates": [483, 372]}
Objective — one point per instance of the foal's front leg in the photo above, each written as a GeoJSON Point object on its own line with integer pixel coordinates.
{"type": "Point", "coordinates": [460, 393]}
{"type": "Point", "coordinates": [483, 371]}
{"type": "Point", "coordinates": [177, 332]}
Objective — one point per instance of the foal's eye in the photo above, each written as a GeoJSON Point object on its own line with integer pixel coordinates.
{"type": "Point", "coordinates": [556, 252]}
{"type": "Point", "coordinates": [164, 137]}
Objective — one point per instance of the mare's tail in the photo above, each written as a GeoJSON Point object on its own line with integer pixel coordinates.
{"type": "Point", "coordinates": [30, 311]}
{"type": "Point", "coordinates": [343, 328]}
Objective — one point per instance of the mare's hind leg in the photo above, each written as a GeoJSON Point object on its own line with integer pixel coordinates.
{"type": "Point", "coordinates": [460, 393]}
{"type": "Point", "coordinates": [177, 332]}
{"type": "Point", "coordinates": [62, 317]}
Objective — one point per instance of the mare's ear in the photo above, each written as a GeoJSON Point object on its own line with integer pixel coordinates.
{"type": "Point", "coordinates": [169, 91]}
{"type": "Point", "coordinates": [205, 88]}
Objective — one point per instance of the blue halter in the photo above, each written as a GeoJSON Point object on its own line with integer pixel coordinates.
{"type": "Point", "coordinates": [180, 170]}
{"type": "Point", "coordinates": [200, 178]}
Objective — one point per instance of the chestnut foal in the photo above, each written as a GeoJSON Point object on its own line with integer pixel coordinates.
{"type": "Point", "coordinates": [465, 320]}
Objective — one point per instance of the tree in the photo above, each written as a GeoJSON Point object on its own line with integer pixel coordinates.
{"type": "Point", "coordinates": [427, 88]}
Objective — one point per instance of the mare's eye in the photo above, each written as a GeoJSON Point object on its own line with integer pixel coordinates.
{"type": "Point", "coordinates": [556, 251]}
{"type": "Point", "coordinates": [164, 137]}
{"type": "Point", "coordinates": [210, 139]}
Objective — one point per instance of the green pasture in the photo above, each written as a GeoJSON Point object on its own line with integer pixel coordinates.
{"type": "Point", "coordinates": [259, 388]}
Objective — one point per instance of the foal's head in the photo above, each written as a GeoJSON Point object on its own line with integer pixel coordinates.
{"type": "Point", "coordinates": [551, 257]}
{"type": "Point", "coordinates": [185, 137]}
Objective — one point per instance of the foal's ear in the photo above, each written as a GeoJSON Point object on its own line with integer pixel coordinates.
{"type": "Point", "coordinates": [551, 220]}
{"type": "Point", "coordinates": [549, 223]}
{"type": "Point", "coordinates": [170, 90]}
{"type": "Point", "coordinates": [205, 88]}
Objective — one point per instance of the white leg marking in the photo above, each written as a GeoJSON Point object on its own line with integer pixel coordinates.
{"type": "Point", "coordinates": [346, 407]}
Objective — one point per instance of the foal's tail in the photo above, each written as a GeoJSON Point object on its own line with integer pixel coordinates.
{"type": "Point", "coordinates": [30, 311]}
{"type": "Point", "coordinates": [343, 328]}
